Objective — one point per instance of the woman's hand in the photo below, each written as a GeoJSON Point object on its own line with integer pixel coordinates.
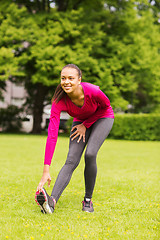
{"type": "Point", "coordinates": [45, 178]}
{"type": "Point", "coordinates": [81, 130]}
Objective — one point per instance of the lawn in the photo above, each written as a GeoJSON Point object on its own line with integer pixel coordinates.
{"type": "Point", "coordinates": [126, 197]}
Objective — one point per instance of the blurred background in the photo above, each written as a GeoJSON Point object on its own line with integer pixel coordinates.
{"type": "Point", "coordinates": [116, 44]}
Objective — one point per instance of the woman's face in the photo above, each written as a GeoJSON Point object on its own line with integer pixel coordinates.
{"type": "Point", "coordinates": [69, 80]}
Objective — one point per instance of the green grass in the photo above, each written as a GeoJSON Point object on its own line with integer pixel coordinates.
{"type": "Point", "coordinates": [126, 197]}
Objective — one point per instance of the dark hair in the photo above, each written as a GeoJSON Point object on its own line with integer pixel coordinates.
{"type": "Point", "coordinates": [59, 92]}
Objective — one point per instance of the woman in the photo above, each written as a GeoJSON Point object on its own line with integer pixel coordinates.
{"type": "Point", "coordinates": [93, 120]}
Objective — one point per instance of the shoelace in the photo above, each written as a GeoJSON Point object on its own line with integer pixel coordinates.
{"type": "Point", "coordinates": [87, 203]}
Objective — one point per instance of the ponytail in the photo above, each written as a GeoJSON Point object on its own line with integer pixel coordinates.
{"type": "Point", "coordinates": [59, 93]}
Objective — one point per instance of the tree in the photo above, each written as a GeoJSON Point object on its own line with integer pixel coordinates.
{"type": "Point", "coordinates": [132, 52]}
{"type": "Point", "coordinates": [116, 48]}
{"type": "Point", "coordinates": [41, 51]}
{"type": "Point", "coordinates": [35, 6]}
{"type": "Point", "coordinates": [68, 5]}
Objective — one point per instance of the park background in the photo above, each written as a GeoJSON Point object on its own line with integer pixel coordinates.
{"type": "Point", "coordinates": [116, 44]}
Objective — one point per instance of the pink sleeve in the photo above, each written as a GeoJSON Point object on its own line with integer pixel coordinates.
{"type": "Point", "coordinates": [103, 103]}
{"type": "Point", "coordinates": [52, 133]}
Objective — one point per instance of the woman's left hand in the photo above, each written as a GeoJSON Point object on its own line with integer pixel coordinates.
{"type": "Point", "coordinates": [81, 130]}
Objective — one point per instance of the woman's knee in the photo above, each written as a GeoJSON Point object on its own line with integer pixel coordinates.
{"type": "Point", "coordinates": [90, 156]}
{"type": "Point", "coordinates": [72, 161]}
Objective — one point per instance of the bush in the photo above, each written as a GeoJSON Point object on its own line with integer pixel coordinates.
{"type": "Point", "coordinates": [136, 127]}
{"type": "Point", "coordinates": [10, 120]}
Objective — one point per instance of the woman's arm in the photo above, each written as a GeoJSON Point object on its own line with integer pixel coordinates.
{"type": "Point", "coordinates": [45, 178]}
{"type": "Point", "coordinates": [50, 143]}
{"type": "Point", "coordinates": [52, 132]}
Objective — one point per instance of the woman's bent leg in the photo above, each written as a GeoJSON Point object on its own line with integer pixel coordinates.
{"type": "Point", "coordinates": [73, 159]}
{"type": "Point", "coordinates": [99, 131]}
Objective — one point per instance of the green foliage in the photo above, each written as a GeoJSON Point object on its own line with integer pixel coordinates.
{"type": "Point", "coordinates": [133, 127]}
{"type": "Point", "coordinates": [132, 52]}
{"type": "Point", "coordinates": [54, 40]}
{"type": "Point", "coordinates": [87, 5]}
{"type": "Point", "coordinates": [116, 48]}
{"type": "Point", "coordinates": [10, 119]}
{"type": "Point", "coordinates": [8, 64]}
{"type": "Point", "coordinates": [136, 127]}
{"type": "Point", "coordinates": [35, 6]}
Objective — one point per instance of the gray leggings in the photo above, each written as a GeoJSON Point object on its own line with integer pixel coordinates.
{"type": "Point", "coordinates": [95, 136]}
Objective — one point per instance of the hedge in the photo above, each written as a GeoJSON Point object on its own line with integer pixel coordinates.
{"type": "Point", "coordinates": [133, 127]}
{"type": "Point", "coordinates": [136, 127]}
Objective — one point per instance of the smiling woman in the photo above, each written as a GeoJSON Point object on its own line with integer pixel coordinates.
{"type": "Point", "coordinates": [93, 120]}
{"type": "Point", "coordinates": [70, 83]}
{"type": "Point", "coordinates": [75, 72]}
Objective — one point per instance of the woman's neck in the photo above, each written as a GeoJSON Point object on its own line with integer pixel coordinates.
{"type": "Point", "coordinates": [77, 94]}
{"type": "Point", "coordinates": [77, 97]}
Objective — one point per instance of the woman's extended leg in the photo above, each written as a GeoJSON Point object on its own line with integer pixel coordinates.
{"type": "Point", "coordinates": [73, 159]}
{"type": "Point", "coordinates": [99, 131]}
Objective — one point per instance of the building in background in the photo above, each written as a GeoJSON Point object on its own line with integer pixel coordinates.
{"type": "Point", "coordinates": [16, 94]}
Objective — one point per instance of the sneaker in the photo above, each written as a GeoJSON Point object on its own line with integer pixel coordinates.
{"type": "Point", "coordinates": [87, 206]}
{"type": "Point", "coordinates": [45, 202]}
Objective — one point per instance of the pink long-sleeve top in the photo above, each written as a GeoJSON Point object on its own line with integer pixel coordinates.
{"type": "Point", "coordinates": [96, 105]}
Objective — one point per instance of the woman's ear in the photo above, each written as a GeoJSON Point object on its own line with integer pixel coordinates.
{"type": "Point", "coordinates": [80, 79]}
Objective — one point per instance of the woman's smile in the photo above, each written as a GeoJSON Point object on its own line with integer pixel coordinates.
{"type": "Point", "coordinates": [67, 87]}
{"type": "Point", "coordinates": [70, 80]}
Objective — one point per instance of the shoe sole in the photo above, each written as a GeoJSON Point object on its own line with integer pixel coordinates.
{"type": "Point", "coordinates": [42, 200]}
{"type": "Point", "coordinates": [87, 210]}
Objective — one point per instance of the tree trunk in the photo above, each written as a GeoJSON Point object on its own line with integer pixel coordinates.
{"type": "Point", "coordinates": [39, 98]}
{"type": "Point", "coordinates": [62, 5]}
{"type": "Point", "coordinates": [48, 5]}
{"type": "Point", "coordinates": [44, 5]}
